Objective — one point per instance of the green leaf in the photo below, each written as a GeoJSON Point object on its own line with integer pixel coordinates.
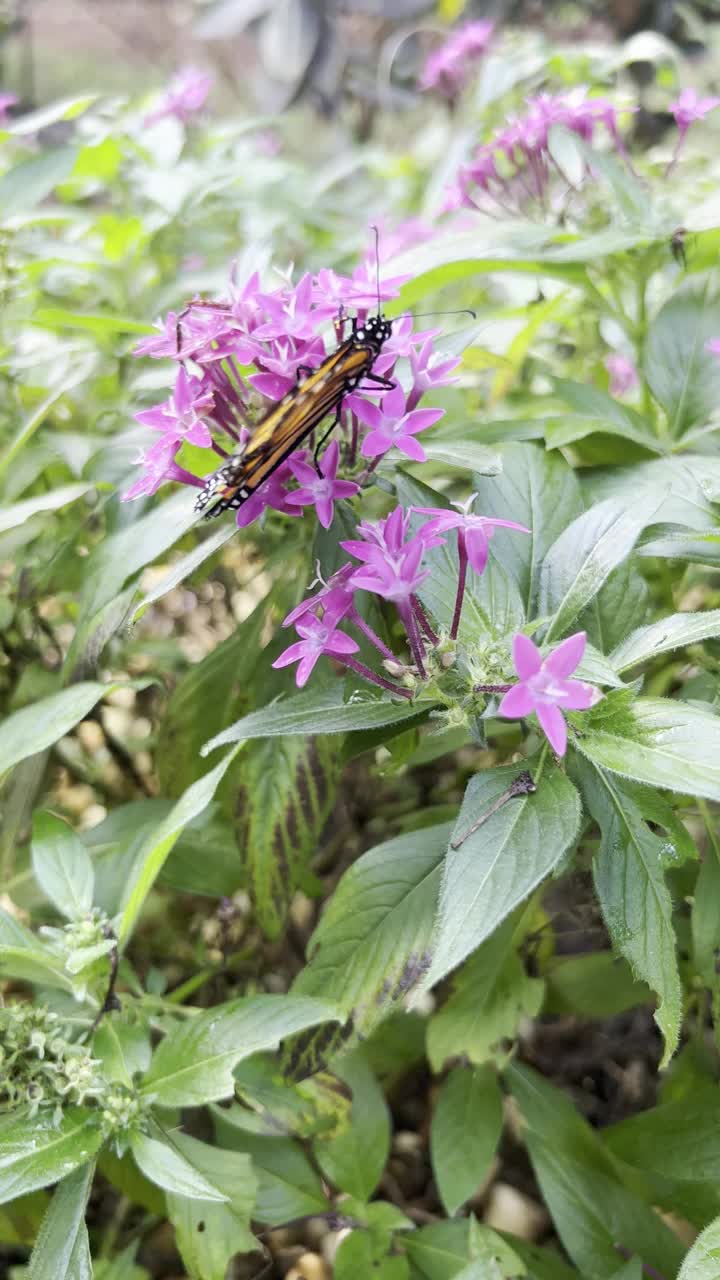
{"type": "Point", "coordinates": [164, 1165]}
{"type": "Point", "coordinates": [36, 1152]}
{"type": "Point", "coordinates": [283, 792]}
{"type": "Point", "coordinates": [703, 1260]}
{"type": "Point", "coordinates": [463, 453]}
{"type": "Point", "coordinates": [682, 374]}
{"type": "Point", "coordinates": [101, 324]}
{"type": "Point", "coordinates": [357, 1256]}
{"type": "Point", "coordinates": [464, 1134]}
{"type": "Point", "coordinates": [156, 847]}
{"type": "Point", "coordinates": [26, 431]}
{"type": "Point", "coordinates": [592, 1210]}
{"type": "Point", "coordinates": [497, 867]}
{"type": "Point", "coordinates": [705, 921]}
{"type": "Point", "coordinates": [38, 726]}
{"type": "Point", "coordinates": [581, 559]}
{"type": "Point", "coordinates": [17, 513]}
{"type": "Point", "coordinates": [354, 1160]}
{"type": "Point", "coordinates": [208, 1235]}
{"type": "Point", "coordinates": [489, 996]}
{"type": "Point", "coordinates": [319, 712]}
{"type": "Point", "coordinates": [62, 866]}
{"type": "Point", "coordinates": [596, 985]}
{"type": "Point", "coordinates": [123, 1048]}
{"type": "Point", "coordinates": [183, 567]}
{"type": "Point", "coordinates": [370, 946]}
{"type": "Point", "coordinates": [29, 182]}
{"type": "Point", "coordinates": [593, 410]}
{"type": "Point", "coordinates": [680, 1139]}
{"type": "Point", "coordinates": [288, 1185]}
{"type": "Point", "coordinates": [538, 490]}
{"type": "Point", "coordinates": [672, 632]}
{"type": "Point", "coordinates": [62, 1249]}
{"type": "Point", "coordinates": [620, 604]}
{"type": "Point", "coordinates": [194, 1063]}
{"type": "Point", "coordinates": [657, 741]}
{"type": "Point", "coordinates": [633, 895]}
{"type": "Point", "coordinates": [449, 1250]}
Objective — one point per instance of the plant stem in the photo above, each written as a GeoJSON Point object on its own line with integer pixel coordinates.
{"type": "Point", "coordinates": [360, 669]}
{"type": "Point", "coordinates": [462, 578]}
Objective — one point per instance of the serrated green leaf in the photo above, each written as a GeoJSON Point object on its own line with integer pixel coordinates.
{"type": "Point", "coordinates": [208, 1235]}
{"type": "Point", "coordinates": [62, 866]}
{"type": "Point", "coordinates": [656, 741]}
{"type": "Point", "coordinates": [37, 1153]}
{"type": "Point", "coordinates": [633, 895]}
{"type": "Point", "coordinates": [680, 1139]}
{"type": "Point", "coordinates": [682, 374]}
{"type": "Point", "coordinates": [672, 632]}
{"type": "Point", "coordinates": [703, 1260]}
{"type": "Point", "coordinates": [161, 1161]}
{"type": "Point", "coordinates": [371, 944]}
{"type": "Point", "coordinates": [283, 792]}
{"type": "Point", "coordinates": [584, 555]}
{"type": "Point", "coordinates": [489, 996]}
{"type": "Point", "coordinates": [319, 712]}
{"type": "Point", "coordinates": [497, 866]}
{"type": "Point", "coordinates": [464, 1134]}
{"type": "Point", "coordinates": [194, 1062]}
{"type": "Point", "coordinates": [62, 1249]}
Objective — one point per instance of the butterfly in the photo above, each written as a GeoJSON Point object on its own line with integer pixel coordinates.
{"type": "Point", "coordinates": [293, 418]}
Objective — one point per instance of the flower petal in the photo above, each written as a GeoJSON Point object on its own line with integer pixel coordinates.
{"type": "Point", "coordinates": [517, 703]}
{"type": "Point", "coordinates": [553, 726]}
{"type": "Point", "coordinates": [410, 447]}
{"type": "Point", "coordinates": [563, 660]}
{"type": "Point", "coordinates": [526, 656]}
{"type": "Point", "coordinates": [578, 696]}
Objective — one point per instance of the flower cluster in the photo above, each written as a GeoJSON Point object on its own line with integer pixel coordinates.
{"type": "Point", "coordinates": [39, 1067]}
{"type": "Point", "coordinates": [282, 335]}
{"type": "Point", "coordinates": [448, 67]}
{"type": "Point", "coordinates": [391, 567]}
{"type": "Point", "coordinates": [83, 946]}
{"type": "Point", "coordinates": [183, 98]}
{"type": "Point", "coordinates": [513, 168]}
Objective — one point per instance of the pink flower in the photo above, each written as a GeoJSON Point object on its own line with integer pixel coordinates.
{"type": "Point", "coordinates": [447, 68]}
{"type": "Point", "coordinates": [178, 418]}
{"type": "Point", "coordinates": [392, 560]}
{"type": "Point", "coordinates": [158, 467]}
{"type": "Point", "coordinates": [623, 374]}
{"type": "Point", "coordinates": [430, 369]}
{"type": "Point", "coordinates": [324, 489]}
{"type": "Point", "coordinates": [270, 494]}
{"type": "Point", "coordinates": [184, 97]}
{"type": "Point", "coordinates": [318, 637]}
{"type": "Point", "coordinates": [690, 107]}
{"type": "Point", "coordinates": [390, 425]}
{"type": "Point", "coordinates": [7, 100]}
{"type": "Point", "coordinates": [473, 531]}
{"type": "Point", "coordinates": [335, 597]}
{"type": "Point", "coordinates": [713, 346]}
{"type": "Point", "coordinates": [289, 312]}
{"type": "Point", "coordinates": [544, 687]}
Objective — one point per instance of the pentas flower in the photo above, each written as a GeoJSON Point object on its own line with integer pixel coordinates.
{"type": "Point", "coordinates": [447, 69]}
{"type": "Point", "coordinates": [545, 688]}
{"type": "Point", "coordinates": [623, 374]}
{"type": "Point", "coordinates": [514, 167]}
{"type": "Point", "coordinates": [253, 348]}
{"type": "Point", "coordinates": [392, 426]}
{"type": "Point", "coordinates": [473, 534]}
{"type": "Point", "coordinates": [690, 107]}
{"type": "Point", "coordinates": [318, 637]}
{"type": "Point", "coordinates": [713, 346]}
{"type": "Point", "coordinates": [179, 417]}
{"type": "Point", "coordinates": [158, 468]}
{"type": "Point", "coordinates": [184, 97]}
{"type": "Point", "coordinates": [321, 487]}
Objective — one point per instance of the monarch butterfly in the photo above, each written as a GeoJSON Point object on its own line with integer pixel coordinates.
{"type": "Point", "coordinates": [294, 417]}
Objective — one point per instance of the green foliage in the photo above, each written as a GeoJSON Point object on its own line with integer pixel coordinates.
{"type": "Point", "coordinates": [387, 952]}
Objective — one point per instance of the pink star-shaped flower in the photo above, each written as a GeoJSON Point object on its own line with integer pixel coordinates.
{"type": "Point", "coordinates": [178, 418]}
{"type": "Point", "coordinates": [318, 637]}
{"type": "Point", "coordinates": [323, 490]}
{"type": "Point", "coordinates": [690, 107]}
{"type": "Point", "coordinates": [544, 687]}
{"type": "Point", "coordinates": [391, 426]}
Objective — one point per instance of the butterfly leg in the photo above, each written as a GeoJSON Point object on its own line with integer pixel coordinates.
{"type": "Point", "coordinates": [316, 451]}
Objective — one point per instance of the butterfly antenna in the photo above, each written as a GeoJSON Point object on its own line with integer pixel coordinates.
{"type": "Point", "coordinates": [422, 315]}
{"type": "Point", "coordinates": [377, 265]}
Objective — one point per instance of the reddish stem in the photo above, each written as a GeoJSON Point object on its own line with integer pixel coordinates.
{"type": "Point", "coordinates": [462, 578]}
{"type": "Point", "coordinates": [360, 669]}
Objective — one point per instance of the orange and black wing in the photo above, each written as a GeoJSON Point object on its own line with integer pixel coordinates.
{"type": "Point", "coordinates": [283, 430]}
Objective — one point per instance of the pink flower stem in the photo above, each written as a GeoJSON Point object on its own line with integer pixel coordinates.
{"type": "Point", "coordinates": [354, 436]}
{"type": "Point", "coordinates": [491, 688]}
{"type": "Point", "coordinates": [369, 470]}
{"type": "Point", "coordinates": [676, 153]}
{"type": "Point", "coordinates": [186, 477]}
{"type": "Point", "coordinates": [372, 636]}
{"type": "Point", "coordinates": [408, 620]}
{"type": "Point", "coordinates": [360, 669]}
{"type": "Point", "coordinates": [422, 618]}
{"type": "Point", "coordinates": [462, 578]}
{"type": "Point", "coordinates": [219, 449]}
{"type": "Point", "coordinates": [413, 399]}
